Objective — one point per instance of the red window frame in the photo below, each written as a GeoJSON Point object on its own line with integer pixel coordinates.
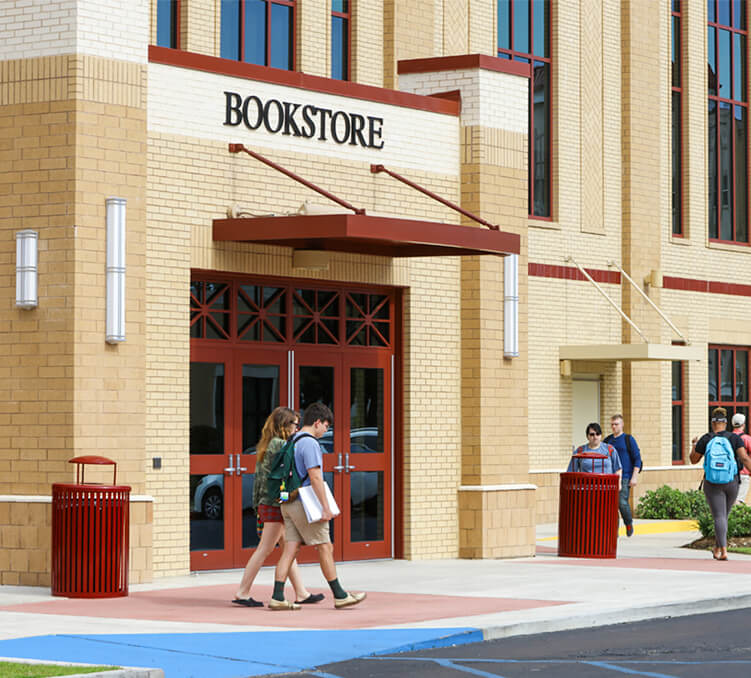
{"type": "Point", "coordinates": [677, 95]}
{"type": "Point", "coordinates": [733, 404]}
{"type": "Point", "coordinates": [680, 402]}
{"type": "Point", "coordinates": [347, 16]}
{"type": "Point", "coordinates": [716, 26]}
{"type": "Point", "coordinates": [516, 56]}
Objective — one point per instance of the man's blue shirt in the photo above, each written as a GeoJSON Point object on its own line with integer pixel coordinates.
{"type": "Point", "coordinates": [627, 461]}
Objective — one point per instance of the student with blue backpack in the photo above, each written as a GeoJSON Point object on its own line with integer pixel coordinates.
{"type": "Point", "coordinates": [723, 454]}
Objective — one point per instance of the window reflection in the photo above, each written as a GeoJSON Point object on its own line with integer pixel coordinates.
{"type": "Point", "coordinates": [366, 506]}
{"type": "Point", "coordinates": [366, 410]}
{"type": "Point", "coordinates": [166, 23]}
{"type": "Point", "coordinates": [207, 512]}
{"type": "Point", "coordinates": [206, 408]}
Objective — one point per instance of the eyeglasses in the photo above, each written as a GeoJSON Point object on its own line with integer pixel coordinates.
{"type": "Point", "coordinates": [592, 433]}
{"type": "Point", "coordinates": [296, 424]}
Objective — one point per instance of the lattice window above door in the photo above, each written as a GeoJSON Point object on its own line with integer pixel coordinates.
{"type": "Point", "coordinates": [210, 310]}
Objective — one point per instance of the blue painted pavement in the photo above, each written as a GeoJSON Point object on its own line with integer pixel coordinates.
{"type": "Point", "coordinates": [232, 655]}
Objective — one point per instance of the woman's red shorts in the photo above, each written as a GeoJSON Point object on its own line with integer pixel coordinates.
{"type": "Point", "coordinates": [269, 514]}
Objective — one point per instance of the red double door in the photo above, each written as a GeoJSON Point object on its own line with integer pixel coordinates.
{"type": "Point", "coordinates": [233, 390]}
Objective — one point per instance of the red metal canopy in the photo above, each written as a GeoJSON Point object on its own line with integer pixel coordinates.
{"type": "Point", "coordinates": [363, 234]}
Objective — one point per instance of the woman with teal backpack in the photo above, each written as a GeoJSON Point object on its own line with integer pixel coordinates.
{"type": "Point", "coordinates": [723, 454]}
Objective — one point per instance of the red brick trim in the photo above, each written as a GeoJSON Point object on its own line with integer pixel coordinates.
{"type": "Point", "coordinates": [572, 273]}
{"type": "Point", "coordinates": [464, 61]}
{"type": "Point", "coordinates": [314, 83]}
{"type": "Point", "coordinates": [711, 286]}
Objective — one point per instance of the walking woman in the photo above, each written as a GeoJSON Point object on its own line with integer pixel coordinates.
{"type": "Point", "coordinates": [280, 425]}
{"type": "Point", "coordinates": [594, 445]}
{"type": "Point", "coordinates": [720, 495]}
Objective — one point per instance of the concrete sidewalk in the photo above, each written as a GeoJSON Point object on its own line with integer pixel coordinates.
{"type": "Point", "coordinates": [187, 626]}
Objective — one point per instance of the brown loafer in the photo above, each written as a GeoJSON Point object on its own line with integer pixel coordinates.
{"type": "Point", "coordinates": [351, 599]}
{"type": "Point", "coordinates": [283, 605]}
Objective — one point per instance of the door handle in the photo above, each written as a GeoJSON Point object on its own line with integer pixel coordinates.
{"type": "Point", "coordinates": [230, 469]}
{"type": "Point", "coordinates": [240, 469]}
{"type": "Point", "coordinates": [347, 466]}
{"type": "Point", "coordinates": [339, 466]}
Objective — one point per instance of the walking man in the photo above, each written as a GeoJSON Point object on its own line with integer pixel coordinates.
{"type": "Point", "coordinates": [630, 456]}
{"type": "Point", "coordinates": [739, 423]}
{"type": "Point", "coordinates": [309, 463]}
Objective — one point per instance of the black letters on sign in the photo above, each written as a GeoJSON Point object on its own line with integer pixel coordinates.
{"type": "Point", "coordinates": [306, 121]}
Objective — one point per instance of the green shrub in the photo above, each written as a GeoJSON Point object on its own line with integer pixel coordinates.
{"type": "Point", "coordinates": [739, 522]}
{"type": "Point", "coordinates": [697, 503]}
{"type": "Point", "coordinates": [664, 503]}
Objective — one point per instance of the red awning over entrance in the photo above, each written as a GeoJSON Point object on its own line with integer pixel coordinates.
{"type": "Point", "coordinates": [363, 234]}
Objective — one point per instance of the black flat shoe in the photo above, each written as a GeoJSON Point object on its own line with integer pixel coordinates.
{"type": "Point", "coordinates": [247, 602]}
{"type": "Point", "coordinates": [312, 598]}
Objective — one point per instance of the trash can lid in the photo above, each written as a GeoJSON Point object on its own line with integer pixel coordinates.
{"type": "Point", "coordinates": [90, 459]}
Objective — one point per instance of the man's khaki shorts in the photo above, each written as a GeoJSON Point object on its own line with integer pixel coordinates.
{"type": "Point", "coordinates": [297, 528]}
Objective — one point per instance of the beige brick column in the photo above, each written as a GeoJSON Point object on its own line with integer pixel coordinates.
{"type": "Point", "coordinates": [72, 134]}
{"type": "Point", "coordinates": [496, 502]}
{"type": "Point", "coordinates": [646, 217]}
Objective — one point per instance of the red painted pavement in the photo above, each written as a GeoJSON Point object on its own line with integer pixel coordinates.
{"type": "Point", "coordinates": [732, 566]}
{"type": "Point", "coordinates": [211, 605]}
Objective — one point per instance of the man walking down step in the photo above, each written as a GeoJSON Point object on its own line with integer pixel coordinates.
{"type": "Point", "coordinates": [630, 456]}
{"type": "Point", "coordinates": [309, 463]}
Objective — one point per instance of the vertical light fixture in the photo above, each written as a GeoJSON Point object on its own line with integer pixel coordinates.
{"type": "Point", "coordinates": [115, 271]}
{"type": "Point", "coordinates": [511, 306]}
{"type": "Point", "coordinates": [27, 255]}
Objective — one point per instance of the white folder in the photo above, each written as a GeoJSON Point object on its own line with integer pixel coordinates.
{"type": "Point", "coordinates": [312, 506]}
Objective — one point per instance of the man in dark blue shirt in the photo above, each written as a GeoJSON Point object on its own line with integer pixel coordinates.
{"type": "Point", "coordinates": [630, 457]}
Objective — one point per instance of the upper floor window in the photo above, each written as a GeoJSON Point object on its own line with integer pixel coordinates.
{"type": "Point", "coordinates": [728, 379]}
{"type": "Point", "coordinates": [677, 406]}
{"type": "Point", "coordinates": [727, 142]}
{"type": "Point", "coordinates": [340, 23]}
{"type": "Point", "coordinates": [259, 32]}
{"type": "Point", "coordinates": [677, 137]}
{"type": "Point", "coordinates": [167, 12]}
{"type": "Point", "coordinates": [524, 36]}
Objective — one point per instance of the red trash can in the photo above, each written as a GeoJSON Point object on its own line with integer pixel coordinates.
{"type": "Point", "coordinates": [588, 512]}
{"type": "Point", "coordinates": [90, 528]}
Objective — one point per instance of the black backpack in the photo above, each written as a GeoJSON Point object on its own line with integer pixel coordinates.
{"type": "Point", "coordinates": [283, 476]}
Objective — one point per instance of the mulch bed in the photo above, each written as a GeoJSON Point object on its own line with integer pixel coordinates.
{"type": "Point", "coordinates": [704, 543]}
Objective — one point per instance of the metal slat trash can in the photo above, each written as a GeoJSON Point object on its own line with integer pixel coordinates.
{"type": "Point", "coordinates": [588, 513]}
{"type": "Point", "coordinates": [90, 528]}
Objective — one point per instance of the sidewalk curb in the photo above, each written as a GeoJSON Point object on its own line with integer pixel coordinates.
{"type": "Point", "coordinates": [618, 616]}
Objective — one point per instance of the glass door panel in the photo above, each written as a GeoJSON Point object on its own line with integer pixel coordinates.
{"type": "Point", "coordinates": [209, 462]}
{"type": "Point", "coordinates": [318, 379]}
{"type": "Point", "coordinates": [367, 458]}
{"type": "Point", "coordinates": [262, 376]}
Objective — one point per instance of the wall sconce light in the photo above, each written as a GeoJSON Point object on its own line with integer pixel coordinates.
{"type": "Point", "coordinates": [511, 306]}
{"type": "Point", "coordinates": [27, 255]}
{"type": "Point", "coordinates": [115, 271]}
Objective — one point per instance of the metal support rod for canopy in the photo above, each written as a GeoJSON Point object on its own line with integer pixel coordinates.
{"type": "Point", "coordinates": [604, 294]}
{"type": "Point", "coordinates": [236, 148]}
{"type": "Point", "coordinates": [375, 169]}
{"type": "Point", "coordinates": [651, 303]}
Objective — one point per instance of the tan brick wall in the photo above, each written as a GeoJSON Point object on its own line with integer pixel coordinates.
{"type": "Point", "coordinates": [497, 523]}
{"type": "Point", "coordinates": [26, 536]}
{"type": "Point", "coordinates": [200, 26]}
{"type": "Point", "coordinates": [314, 37]}
{"type": "Point", "coordinates": [368, 42]}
